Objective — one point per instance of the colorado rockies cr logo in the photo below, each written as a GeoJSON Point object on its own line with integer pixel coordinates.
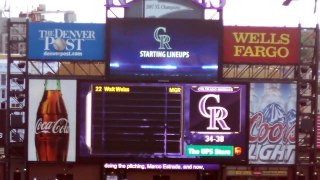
{"type": "Point", "coordinates": [163, 39]}
{"type": "Point", "coordinates": [216, 114]}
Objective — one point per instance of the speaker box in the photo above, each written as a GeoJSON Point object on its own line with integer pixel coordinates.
{"type": "Point", "coordinates": [16, 120]}
{"type": "Point", "coordinates": [161, 177]}
{"type": "Point", "coordinates": [64, 176]}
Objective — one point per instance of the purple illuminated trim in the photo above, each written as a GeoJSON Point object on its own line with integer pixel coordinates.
{"type": "Point", "coordinates": [120, 4]}
{"type": "Point", "coordinates": [205, 4]}
{"type": "Point", "coordinates": [208, 4]}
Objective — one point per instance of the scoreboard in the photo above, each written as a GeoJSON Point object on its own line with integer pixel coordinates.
{"type": "Point", "coordinates": [135, 120]}
{"type": "Point", "coordinates": [163, 122]}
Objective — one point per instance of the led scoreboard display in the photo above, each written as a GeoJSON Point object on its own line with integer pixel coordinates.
{"type": "Point", "coordinates": [164, 122]}
{"type": "Point", "coordinates": [134, 120]}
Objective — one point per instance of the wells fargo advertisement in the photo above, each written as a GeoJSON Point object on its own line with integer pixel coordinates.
{"type": "Point", "coordinates": [261, 45]}
{"type": "Point", "coordinates": [272, 123]}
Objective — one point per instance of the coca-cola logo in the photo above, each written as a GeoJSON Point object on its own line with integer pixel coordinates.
{"type": "Point", "coordinates": [261, 131]}
{"type": "Point", "coordinates": [61, 126]}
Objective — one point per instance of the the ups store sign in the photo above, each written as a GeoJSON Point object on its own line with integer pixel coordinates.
{"type": "Point", "coordinates": [261, 45]}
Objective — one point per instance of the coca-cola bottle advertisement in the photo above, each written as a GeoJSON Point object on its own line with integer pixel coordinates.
{"type": "Point", "coordinates": [52, 120]}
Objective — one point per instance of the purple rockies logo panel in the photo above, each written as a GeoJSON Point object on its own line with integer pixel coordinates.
{"type": "Point", "coordinates": [214, 112]}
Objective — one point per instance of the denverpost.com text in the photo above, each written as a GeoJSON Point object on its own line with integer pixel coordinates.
{"type": "Point", "coordinates": [62, 54]}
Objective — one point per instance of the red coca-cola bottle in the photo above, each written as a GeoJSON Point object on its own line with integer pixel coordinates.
{"type": "Point", "coordinates": [52, 125]}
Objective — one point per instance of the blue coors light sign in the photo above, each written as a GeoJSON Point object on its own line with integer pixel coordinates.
{"type": "Point", "coordinates": [66, 41]}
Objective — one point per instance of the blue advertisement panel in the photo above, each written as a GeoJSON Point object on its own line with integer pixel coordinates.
{"type": "Point", "coordinates": [163, 49]}
{"type": "Point", "coordinates": [272, 137]}
{"type": "Point", "coordinates": [162, 122]}
{"type": "Point", "coordinates": [66, 41]}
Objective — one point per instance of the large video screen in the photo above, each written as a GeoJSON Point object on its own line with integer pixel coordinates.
{"type": "Point", "coordinates": [165, 122]}
{"type": "Point", "coordinates": [163, 49]}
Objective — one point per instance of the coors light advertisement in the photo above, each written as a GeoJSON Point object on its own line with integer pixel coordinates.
{"type": "Point", "coordinates": [52, 121]}
{"type": "Point", "coordinates": [272, 123]}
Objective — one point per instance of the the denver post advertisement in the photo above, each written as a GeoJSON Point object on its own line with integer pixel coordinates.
{"type": "Point", "coordinates": [66, 41]}
{"type": "Point", "coordinates": [272, 123]}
